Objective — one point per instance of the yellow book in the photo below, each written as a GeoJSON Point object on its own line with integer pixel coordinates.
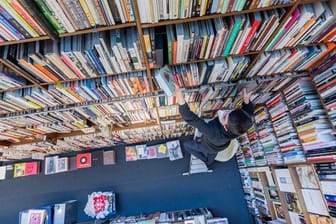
{"type": "Point", "coordinates": [87, 12]}
{"type": "Point", "coordinates": [19, 170]}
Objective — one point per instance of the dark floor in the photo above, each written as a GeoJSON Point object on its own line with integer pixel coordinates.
{"type": "Point", "coordinates": [142, 187]}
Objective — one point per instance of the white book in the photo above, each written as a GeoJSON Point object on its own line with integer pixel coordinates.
{"type": "Point", "coordinates": [58, 12]}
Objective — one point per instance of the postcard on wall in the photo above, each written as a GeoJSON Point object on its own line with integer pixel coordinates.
{"type": "Point", "coordinates": [307, 177]}
{"type": "Point", "coordinates": [284, 180]}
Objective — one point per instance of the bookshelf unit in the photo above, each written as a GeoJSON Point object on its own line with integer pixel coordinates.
{"type": "Point", "coordinates": [78, 80]}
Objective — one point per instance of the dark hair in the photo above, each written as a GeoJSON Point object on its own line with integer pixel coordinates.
{"type": "Point", "coordinates": [239, 122]}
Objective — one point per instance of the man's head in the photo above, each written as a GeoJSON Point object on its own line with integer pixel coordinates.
{"type": "Point", "coordinates": [236, 122]}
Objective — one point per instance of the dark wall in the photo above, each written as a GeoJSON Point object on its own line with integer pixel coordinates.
{"type": "Point", "coordinates": [142, 187]}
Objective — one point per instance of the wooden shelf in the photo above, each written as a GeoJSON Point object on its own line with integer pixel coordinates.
{"type": "Point", "coordinates": [24, 40]}
{"type": "Point", "coordinates": [213, 16]}
{"type": "Point", "coordinates": [99, 29]}
{"type": "Point", "coordinates": [95, 77]}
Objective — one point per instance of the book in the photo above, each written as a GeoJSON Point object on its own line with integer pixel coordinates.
{"type": "Point", "coordinates": [109, 157]}
{"type": "Point", "coordinates": [130, 153]}
{"type": "Point", "coordinates": [164, 77]}
{"type": "Point", "coordinates": [141, 151]}
{"type": "Point", "coordinates": [174, 150]}
{"type": "Point", "coordinates": [83, 160]}
{"type": "Point", "coordinates": [307, 177]}
{"type": "Point", "coordinates": [314, 201]}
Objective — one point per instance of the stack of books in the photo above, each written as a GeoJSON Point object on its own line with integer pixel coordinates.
{"type": "Point", "coordinates": [290, 146]}
{"type": "Point", "coordinates": [310, 119]}
{"type": "Point", "coordinates": [267, 136]}
{"type": "Point", "coordinates": [325, 82]}
{"type": "Point", "coordinates": [247, 151]}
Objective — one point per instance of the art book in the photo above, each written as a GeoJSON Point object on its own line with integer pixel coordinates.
{"type": "Point", "coordinates": [130, 153]}
{"type": "Point", "coordinates": [109, 157]}
{"type": "Point", "coordinates": [151, 152]}
{"type": "Point", "coordinates": [83, 160]}
{"type": "Point", "coordinates": [314, 201]}
{"type": "Point", "coordinates": [141, 151]}
{"type": "Point", "coordinates": [174, 150]}
{"type": "Point", "coordinates": [32, 168]}
{"type": "Point", "coordinates": [162, 151]}
{"type": "Point", "coordinates": [19, 170]}
{"type": "Point", "coordinates": [165, 79]}
{"type": "Point", "coordinates": [307, 177]}
{"type": "Point", "coordinates": [62, 164]}
{"type": "Point", "coordinates": [50, 164]}
{"type": "Point", "coordinates": [292, 202]}
{"type": "Point", "coordinates": [284, 180]}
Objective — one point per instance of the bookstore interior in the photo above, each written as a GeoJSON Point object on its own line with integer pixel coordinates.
{"type": "Point", "coordinates": [84, 74]}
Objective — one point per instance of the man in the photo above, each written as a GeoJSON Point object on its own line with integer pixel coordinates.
{"type": "Point", "coordinates": [217, 133]}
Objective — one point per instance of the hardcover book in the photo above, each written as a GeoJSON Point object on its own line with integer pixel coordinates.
{"type": "Point", "coordinates": [174, 150]}
{"type": "Point", "coordinates": [130, 153]}
{"type": "Point", "coordinates": [109, 157]}
{"type": "Point", "coordinates": [83, 160]}
{"type": "Point", "coordinates": [165, 79]}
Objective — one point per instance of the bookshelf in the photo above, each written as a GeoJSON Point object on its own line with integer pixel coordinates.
{"type": "Point", "coordinates": [90, 68]}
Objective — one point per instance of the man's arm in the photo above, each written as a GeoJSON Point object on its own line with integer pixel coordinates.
{"type": "Point", "coordinates": [190, 117]}
{"type": "Point", "coordinates": [247, 105]}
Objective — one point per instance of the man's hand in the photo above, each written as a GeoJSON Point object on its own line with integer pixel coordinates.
{"type": "Point", "coordinates": [246, 96]}
{"type": "Point", "coordinates": [179, 95]}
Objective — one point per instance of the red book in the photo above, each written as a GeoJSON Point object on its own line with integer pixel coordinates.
{"type": "Point", "coordinates": [83, 160]}
{"type": "Point", "coordinates": [256, 22]}
{"type": "Point", "coordinates": [32, 168]}
{"type": "Point", "coordinates": [72, 67]}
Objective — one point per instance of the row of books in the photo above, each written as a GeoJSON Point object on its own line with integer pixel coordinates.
{"type": "Point", "coordinates": [153, 11]}
{"type": "Point", "coordinates": [308, 23]}
{"type": "Point", "coordinates": [137, 135]}
{"type": "Point", "coordinates": [290, 60]}
{"type": "Point", "coordinates": [206, 72]}
{"type": "Point", "coordinates": [290, 146]}
{"type": "Point", "coordinates": [313, 128]}
{"type": "Point", "coordinates": [221, 36]}
{"type": "Point", "coordinates": [175, 129]}
{"type": "Point", "coordinates": [326, 175]}
{"type": "Point", "coordinates": [290, 128]}
{"type": "Point", "coordinates": [256, 147]}
{"type": "Point", "coordinates": [169, 149]}
{"type": "Point", "coordinates": [21, 19]}
{"type": "Point", "coordinates": [75, 92]}
{"type": "Point", "coordinates": [267, 136]}
{"type": "Point", "coordinates": [77, 57]}
{"type": "Point", "coordinates": [246, 150]}
{"type": "Point", "coordinates": [325, 84]}
{"type": "Point", "coordinates": [248, 191]}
